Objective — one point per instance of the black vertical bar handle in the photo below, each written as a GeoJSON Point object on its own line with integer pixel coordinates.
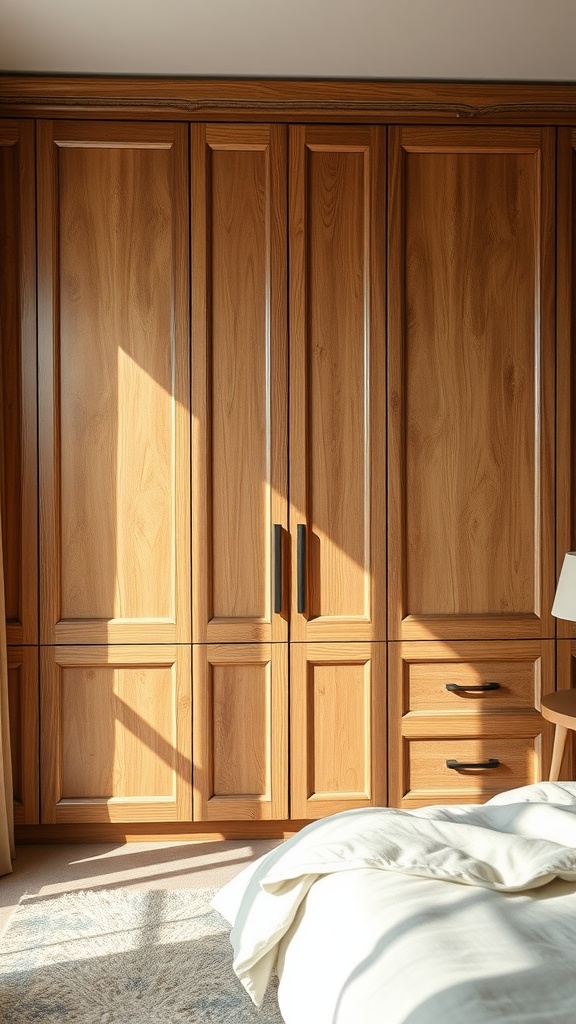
{"type": "Point", "coordinates": [277, 568]}
{"type": "Point", "coordinates": [301, 567]}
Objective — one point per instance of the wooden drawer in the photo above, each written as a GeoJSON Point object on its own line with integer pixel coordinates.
{"type": "Point", "coordinates": [430, 780]}
{"type": "Point", "coordinates": [471, 685]}
{"type": "Point", "coordinates": [432, 677]}
{"type": "Point", "coordinates": [436, 714]}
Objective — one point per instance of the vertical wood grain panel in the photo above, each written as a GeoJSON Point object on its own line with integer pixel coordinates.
{"type": "Point", "coordinates": [114, 391]}
{"type": "Point", "coordinates": [116, 733]}
{"type": "Point", "coordinates": [337, 434]}
{"type": "Point", "coordinates": [338, 748]}
{"type": "Point", "coordinates": [23, 715]}
{"type": "Point", "coordinates": [18, 445]}
{"type": "Point", "coordinates": [240, 731]}
{"type": "Point", "coordinates": [240, 385]}
{"type": "Point", "coordinates": [471, 334]}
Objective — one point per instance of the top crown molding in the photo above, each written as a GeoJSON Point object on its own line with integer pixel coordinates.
{"type": "Point", "coordinates": [283, 100]}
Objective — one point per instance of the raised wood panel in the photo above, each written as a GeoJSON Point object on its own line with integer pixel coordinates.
{"type": "Point", "coordinates": [428, 686]}
{"type": "Point", "coordinates": [566, 363]}
{"type": "Point", "coordinates": [116, 733]}
{"type": "Point", "coordinates": [18, 447]}
{"type": "Point", "coordinates": [523, 670]}
{"type": "Point", "coordinates": [23, 718]}
{"type": "Point", "coordinates": [338, 727]}
{"type": "Point", "coordinates": [566, 679]}
{"type": "Point", "coordinates": [240, 383]}
{"type": "Point", "coordinates": [114, 382]}
{"type": "Point", "coordinates": [471, 428]}
{"type": "Point", "coordinates": [430, 781]}
{"type": "Point", "coordinates": [337, 380]}
{"type": "Point", "coordinates": [240, 731]}
{"type": "Point", "coordinates": [424, 717]}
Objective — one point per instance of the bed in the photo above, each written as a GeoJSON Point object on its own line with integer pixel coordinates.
{"type": "Point", "coordinates": [439, 915]}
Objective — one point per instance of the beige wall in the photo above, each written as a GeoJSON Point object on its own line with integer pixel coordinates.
{"type": "Point", "coordinates": [470, 39]}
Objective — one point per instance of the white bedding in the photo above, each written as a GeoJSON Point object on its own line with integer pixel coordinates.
{"type": "Point", "coordinates": [360, 915]}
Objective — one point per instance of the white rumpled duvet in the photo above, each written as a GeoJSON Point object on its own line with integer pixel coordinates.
{"type": "Point", "coordinates": [356, 915]}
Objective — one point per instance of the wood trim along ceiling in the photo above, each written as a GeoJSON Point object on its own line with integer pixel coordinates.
{"type": "Point", "coordinates": [287, 99]}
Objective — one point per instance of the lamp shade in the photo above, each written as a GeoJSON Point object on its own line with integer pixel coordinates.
{"type": "Point", "coordinates": [564, 606]}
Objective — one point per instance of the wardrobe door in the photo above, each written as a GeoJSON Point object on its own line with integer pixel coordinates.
{"type": "Point", "coordinates": [239, 471]}
{"type": "Point", "coordinates": [337, 383]}
{"type": "Point", "coordinates": [114, 382]}
{"type": "Point", "coordinates": [240, 732]}
{"type": "Point", "coordinates": [471, 383]}
{"type": "Point", "coordinates": [116, 733]}
{"type": "Point", "coordinates": [338, 727]}
{"type": "Point", "coordinates": [18, 468]}
{"type": "Point", "coordinates": [239, 383]}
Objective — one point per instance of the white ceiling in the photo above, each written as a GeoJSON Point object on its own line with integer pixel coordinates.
{"type": "Point", "coordinates": [518, 40]}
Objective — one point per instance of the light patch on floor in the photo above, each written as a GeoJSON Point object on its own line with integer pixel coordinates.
{"type": "Point", "coordinates": [67, 867]}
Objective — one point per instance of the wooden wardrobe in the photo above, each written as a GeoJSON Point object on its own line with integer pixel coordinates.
{"type": "Point", "coordinates": [288, 463]}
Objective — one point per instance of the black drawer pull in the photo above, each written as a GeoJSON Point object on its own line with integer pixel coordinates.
{"type": "Point", "coordinates": [492, 762]}
{"type": "Point", "coordinates": [456, 688]}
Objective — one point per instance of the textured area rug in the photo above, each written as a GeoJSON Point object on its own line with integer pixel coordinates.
{"type": "Point", "coordinates": [123, 957]}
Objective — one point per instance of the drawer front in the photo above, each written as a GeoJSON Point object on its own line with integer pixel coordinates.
{"type": "Point", "coordinates": [471, 686]}
{"type": "Point", "coordinates": [470, 678]}
{"type": "Point", "coordinates": [467, 701]}
{"type": "Point", "coordinates": [510, 762]}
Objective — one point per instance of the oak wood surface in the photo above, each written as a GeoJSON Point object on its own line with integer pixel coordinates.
{"type": "Point", "coordinates": [471, 357]}
{"type": "Point", "coordinates": [156, 832]}
{"type": "Point", "coordinates": [566, 680]}
{"type": "Point", "coordinates": [301, 100]}
{"type": "Point", "coordinates": [239, 382]}
{"type": "Point", "coordinates": [114, 382]}
{"type": "Point", "coordinates": [560, 708]}
{"type": "Point", "coordinates": [471, 218]}
{"type": "Point", "coordinates": [337, 380]}
{"type": "Point", "coordinates": [338, 727]}
{"type": "Point", "coordinates": [421, 708]}
{"type": "Point", "coordinates": [430, 781]}
{"type": "Point", "coordinates": [24, 721]}
{"type": "Point", "coordinates": [240, 731]}
{"type": "Point", "coordinates": [116, 733]}
{"type": "Point", "coordinates": [18, 419]}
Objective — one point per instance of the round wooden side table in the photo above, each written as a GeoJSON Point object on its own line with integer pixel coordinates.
{"type": "Point", "coordinates": [559, 708]}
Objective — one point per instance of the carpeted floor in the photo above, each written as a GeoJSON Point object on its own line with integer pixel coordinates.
{"type": "Point", "coordinates": [144, 956]}
{"type": "Point", "coordinates": [51, 869]}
